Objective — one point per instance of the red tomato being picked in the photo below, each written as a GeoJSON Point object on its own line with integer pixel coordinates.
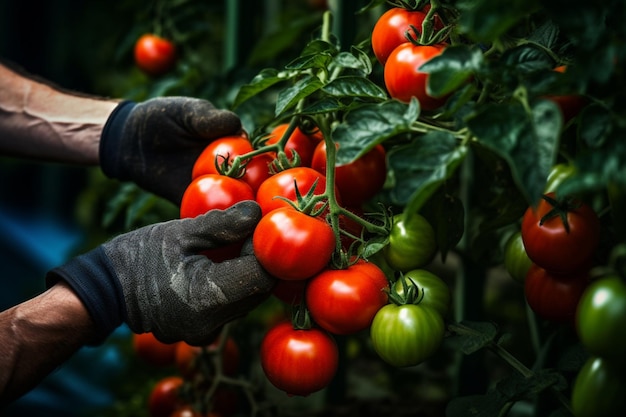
{"type": "Point", "coordinates": [298, 142]}
{"type": "Point", "coordinates": [299, 361]}
{"type": "Point", "coordinates": [292, 245]}
{"type": "Point", "coordinates": [345, 301]}
{"type": "Point", "coordinates": [154, 55]}
{"type": "Point", "coordinates": [403, 78]}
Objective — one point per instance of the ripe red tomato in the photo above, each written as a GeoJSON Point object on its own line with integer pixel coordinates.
{"type": "Point", "coordinates": [299, 142]}
{"type": "Point", "coordinates": [569, 104]}
{"type": "Point", "coordinates": [554, 297]}
{"type": "Point", "coordinates": [283, 183]}
{"type": "Point", "coordinates": [187, 357]}
{"type": "Point", "coordinates": [345, 301]}
{"type": "Point", "coordinates": [551, 246]}
{"type": "Point", "coordinates": [154, 55]}
{"type": "Point", "coordinates": [222, 151]}
{"type": "Point", "coordinates": [292, 245]}
{"type": "Point", "coordinates": [299, 362]}
{"type": "Point", "coordinates": [403, 78]}
{"type": "Point", "coordinates": [391, 27]}
{"type": "Point", "coordinates": [164, 398]}
{"type": "Point", "coordinates": [152, 350]}
{"type": "Point", "coordinates": [211, 191]}
{"type": "Point", "coordinates": [359, 180]}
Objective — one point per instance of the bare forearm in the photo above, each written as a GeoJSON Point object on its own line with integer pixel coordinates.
{"type": "Point", "coordinates": [39, 335]}
{"type": "Point", "coordinates": [40, 122]}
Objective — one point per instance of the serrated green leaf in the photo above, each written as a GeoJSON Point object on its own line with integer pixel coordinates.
{"type": "Point", "coordinates": [366, 126]}
{"type": "Point", "coordinates": [452, 68]}
{"type": "Point", "coordinates": [313, 61]}
{"type": "Point", "coordinates": [528, 141]}
{"type": "Point", "coordinates": [289, 97]}
{"type": "Point", "coordinates": [355, 87]}
{"type": "Point", "coordinates": [264, 80]}
{"type": "Point", "coordinates": [471, 336]}
{"type": "Point", "coordinates": [487, 20]}
{"type": "Point", "coordinates": [421, 166]}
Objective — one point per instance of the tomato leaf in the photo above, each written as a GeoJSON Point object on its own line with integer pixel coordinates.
{"type": "Point", "coordinates": [486, 20]}
{"type": "Point", "coordinates": [366, 126]}
{"type": "Point", "coordinates": [471, 336]}
{"type": "Point", "coordinates": [451, 69]}
{"type": "Point", "coordinates": [289, 97]}
{"type": "Point", "coordinates": [528, 141]}
{"type": "Point", "coordinates": [438, 153]}
{"type": "Point", "coordinates": [355, 87]}
{"type": "Point", "coordinates": [261, 82]}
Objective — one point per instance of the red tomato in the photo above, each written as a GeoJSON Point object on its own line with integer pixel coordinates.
{"type": "Point", "coordinates": [209, 192]}
{"type": "Point", "coordinates": [187, 357]}
{"type": "Point", "coordinates": [403, 78]}
{"type": "Point", "coordinates": [154, 55]}
{"type": "Point", "coordinates": [551, 246]}
{"type": "Point", "coordinates": [391, 27]}
{"type": "Point", "coordinates": [283, 184]}
{"type": "Point", "coordinates": [345, 301]}
{"type": "Point", "coordinates": [554, 297]}
{"type": "Point", "coordinates": [299, 362]}
{"type": "Point", "coordinates": [152, 350]}
{"type": "Point", "coordinates": [164, 398]}
{"type": "Point", "coordinates": [570, 104]}
{"type": "Point", "coordinates": [299, 142]}
{"type": "Point", "coordinates": [292, 245]}
{"type": "Point", "coordinates": [359, 180]}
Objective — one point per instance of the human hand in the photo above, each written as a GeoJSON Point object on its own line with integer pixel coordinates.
{"type": "Point", "coordinates": [155, 280]}
{"type": "Point", "coordinates": [156, 143]}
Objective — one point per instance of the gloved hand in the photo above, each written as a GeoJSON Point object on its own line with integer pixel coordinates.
{"type": "Point", "coordinates": [154, 279]}
{"type": "Point", "coordinates": [155, 143]}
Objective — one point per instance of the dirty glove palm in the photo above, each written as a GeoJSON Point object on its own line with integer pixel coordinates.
{"type": "Point", "coordinates": [154, 279]}
{"type": "Point", "coordinates": [155, 143]}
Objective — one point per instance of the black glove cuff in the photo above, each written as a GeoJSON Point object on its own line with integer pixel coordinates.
{"type": "Point", "coordinates": [93, 279]}
{"type": "Point", "coordinates": [110, 141]}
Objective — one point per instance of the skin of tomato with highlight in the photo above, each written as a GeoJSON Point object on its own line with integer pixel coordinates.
{"type": "Point", "coordinates": [154, 55]}
{"type": "Point", "coordinates": [403, 78]}
{"type": "Point", "coordinates": [551, 246]}
{"type": "Point", "coordinates": [554, 297]}
{"type": "Point", "coordinates": [299, 142]}
{"type": "Point", "coordinates": [390, 30]}
{"type": "Point", "coordinates": [299, 362]}
{"type": "Point", "coordinates": [344, 301]}
{"type": "Point", "coordinates": [283, 184]}
{"type": "Point", "coordinates": [359, 180]}
{"type": "Point", "coordinates": [292, 245]}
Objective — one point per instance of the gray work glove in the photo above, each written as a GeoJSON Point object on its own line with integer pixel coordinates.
{"type": "Point", "coordinates": [155, 280]}
{"type": "Point", "coordinates": [155, 143]}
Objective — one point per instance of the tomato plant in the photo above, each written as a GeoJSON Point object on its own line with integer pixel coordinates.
{"type": "Point", "coordinates": [411, 244]}
{"type": "Point", "coordinates": [600, 316]}
{"type": "Point", "coordinates": [152, 350]}
{"type": "Point", "coordinates": [554, 297]}
{"type": "Point", "coordinates": [560, 236]}
{"type": "Point", "coordinates": [298, 361]}
{"type": "Point", "coordinates": [404, 79]}
{"type": "Point", "coordinates": [431, 291]}
{"type": "Point", "coordinates": [598, 390]}
{"type": "Point", "coordinates": [344, 301]}
{"type": "Point", "coordinates": [187, 357]}
{"type": "Point", "coordinates": [359, 180]}
{"type": "Point", "coordinates": [154, 54]}
{"type": "Point", "coordinates": [516, 261]}
{"type": "Point", "coordinates": [292, 245]}
{"type": "Point", "coordinates": [283, 185]}
{"type": "Point", "coordinates": [164, 398]}
{"type": "Point", "coordinates": [407, 334]}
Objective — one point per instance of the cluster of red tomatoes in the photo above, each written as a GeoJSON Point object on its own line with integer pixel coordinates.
{"type": "Point", "coordinates": [395, 44]}
{"type": "Point", "coordinates": [183, 393]}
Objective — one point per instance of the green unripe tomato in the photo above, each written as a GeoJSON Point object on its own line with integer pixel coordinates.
{"type": "Point", "coordinates": [516, 261]}
{"type": "Point", "coordinates": [432, 291]}
{"type": "Point", "coordinates": [412, 243]}
{"type": "Point", "coordinates": [598, 390]}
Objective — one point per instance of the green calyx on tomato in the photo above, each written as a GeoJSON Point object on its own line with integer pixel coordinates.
{"type": "Point", "coordinates": [600, 318]}
{"type": "Point", "coordinates": [412, 242]}
{"type": "Point", "coordinates": [419, 285]}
